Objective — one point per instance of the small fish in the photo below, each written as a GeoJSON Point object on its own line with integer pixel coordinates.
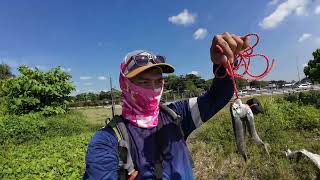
{"type": "Point", "coordinates": [242, 119]}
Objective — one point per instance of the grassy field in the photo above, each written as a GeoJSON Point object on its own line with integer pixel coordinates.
{"type": "Point", "coordinates": [284, 125]}
{"type": "Point", "coordinates": [59, 154]}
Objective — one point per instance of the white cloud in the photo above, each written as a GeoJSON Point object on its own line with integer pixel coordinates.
{"type": "Point", "coordinates": [310, 37]}
{"type": "Point", "coordinates": [66, 69]}
{"type": "Point", "coordinates": [200, 33]}
{"type": "Point", "coordinates": [317, 10]}
{"type": "Point", "coordinates": [282, 11]}
{"type": "Point", "coordinates": [85, 77]}
{"type": "Point", "coordinates": [273, 2]}
{"type": "Point", "coordinates": [194, 72]}
{"type": "Point", "coordinates": [184, 18]}
{"type": "Point", "coordinates": [304, 37]}
{"type": "Point", "coordinates": [305, 64]}
{"type": "Point", "coordinates": [102, 78]}
{"type": "Point", "coordinates": [88, 84]}
{"type": "Point", "coordinates": [301, 11]}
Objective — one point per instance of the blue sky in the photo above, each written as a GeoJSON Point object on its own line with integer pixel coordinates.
{"type": "Point", "coordinates": [90, 38]}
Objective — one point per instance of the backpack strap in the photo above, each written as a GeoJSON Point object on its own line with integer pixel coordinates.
{"type": "Point", "coordinates": [173, 114]}
{"type": "Point", "coordinates": [158, 169]}
{"type": "Point", "coordinates": [126, 166]}
{"type": "Point", "coordinates": [176, 118]}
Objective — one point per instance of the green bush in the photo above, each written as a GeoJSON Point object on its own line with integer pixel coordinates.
{"type": "Point", "coordinates": [293, 116]}
{"type": "Point", "coordinates": [305, 98]}
{"type": "Point", "coordinates": [18, 129]}
{"type": "Point", "coordinates": [34, 126]}
{"type": "Point", "coordinates": [35, 91]}
{"type": "Point", "coordinates": [68, 124]}
{"type": "Point", "coordinates": [2, 107]}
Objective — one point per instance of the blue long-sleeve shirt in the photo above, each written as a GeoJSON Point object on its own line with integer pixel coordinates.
{"type": "Point", "coordinates": [102, 153]}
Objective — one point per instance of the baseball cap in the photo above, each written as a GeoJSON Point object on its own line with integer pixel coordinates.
{"type": "Point", "coordinates": [140, 60]}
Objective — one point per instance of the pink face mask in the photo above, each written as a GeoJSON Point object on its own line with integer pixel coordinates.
{"type": "Point", "coordinates": [139, 105]}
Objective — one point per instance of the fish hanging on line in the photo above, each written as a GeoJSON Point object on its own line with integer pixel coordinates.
{"type": "Point", "coordinates": [242, 119]}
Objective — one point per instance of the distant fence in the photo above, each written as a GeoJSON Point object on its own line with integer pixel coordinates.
{"type": "Point", "coordinates": [117, 106]}
{"type": "Point", "coordinates": [171, 97]}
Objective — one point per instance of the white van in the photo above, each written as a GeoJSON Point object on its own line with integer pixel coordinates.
{"type": "Point", "coordinates": [304, 86]}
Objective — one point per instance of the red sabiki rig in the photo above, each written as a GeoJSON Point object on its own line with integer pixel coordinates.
{"type": "Point", "coordinates": [244, 59]}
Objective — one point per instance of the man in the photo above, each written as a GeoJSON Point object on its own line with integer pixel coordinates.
{"type": "Point", "coordinates": [141, 83]}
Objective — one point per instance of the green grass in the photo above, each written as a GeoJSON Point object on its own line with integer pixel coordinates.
{"type": "Point", "coordinates": [60, 153]}
{"type": "Point", "coordinates": [97, 116]}
{"type": "Point", "coordinates": [285, 125]}
{"type": "Point", "coordinates": [51, 158]}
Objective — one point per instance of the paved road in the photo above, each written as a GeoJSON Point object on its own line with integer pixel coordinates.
{"type": "Point", "coordinates": [278, 91]}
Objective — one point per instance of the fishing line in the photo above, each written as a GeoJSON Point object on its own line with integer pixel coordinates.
{"type": "Point", "coordinates": [244, 58]}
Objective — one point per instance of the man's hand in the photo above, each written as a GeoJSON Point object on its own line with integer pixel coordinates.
{"type": "Point", "coordinates": [231, 45]}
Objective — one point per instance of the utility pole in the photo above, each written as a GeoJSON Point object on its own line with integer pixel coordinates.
{"type": "Point", "coordinates": [112, 102]}
{"type": "Point", "coordinates": [297, 68]}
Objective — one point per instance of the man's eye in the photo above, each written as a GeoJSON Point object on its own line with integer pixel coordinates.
{"type": "Point", "coordinates": [143, 82]}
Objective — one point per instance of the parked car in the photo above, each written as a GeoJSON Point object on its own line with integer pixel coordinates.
{"type": "Point", "coordinates": [243, 92]}
{"type": "Point", "coordinates": [304, 86]}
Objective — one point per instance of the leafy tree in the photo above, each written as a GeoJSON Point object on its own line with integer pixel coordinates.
{"type": "Point", "coordinates": [91, 97]}
{"type": "Point", "coordinates": [103, 95]}
{"type": "Point", "coordinates": [175, 83]}
{"type": "Point", "coordinates": [197, 80]}
{"type": "Point", "coordinates": [35, 90]}
{"type": "Point", "coordinates": [207, 84]}
{"type": "Point", "coordinates": [260, 84]}
{"type": "Point", "coordinates": [81, 97]}
{"type": "Point", "coordinates": [5, 71]}
{"type": "Point", "coordinates": [190, 86]}
{"type": "Point", "coordinates": [241, 83]}
{"type": "Point", "coordinates": [312, 70]}
{"type": "Point", "coordinates": [107, 95]}
{"type": "Point", "coordinates": [254, 84]}
{"type": "Point", "coordinates": [116, 93]}
{"type": "Point", "coordinates": [96, 99]}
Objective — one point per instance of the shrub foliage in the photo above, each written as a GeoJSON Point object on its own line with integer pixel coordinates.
{"type": "Point", "coordinates": [305, 98]}
{"type": "Point", "coordinates": [37, 91]}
